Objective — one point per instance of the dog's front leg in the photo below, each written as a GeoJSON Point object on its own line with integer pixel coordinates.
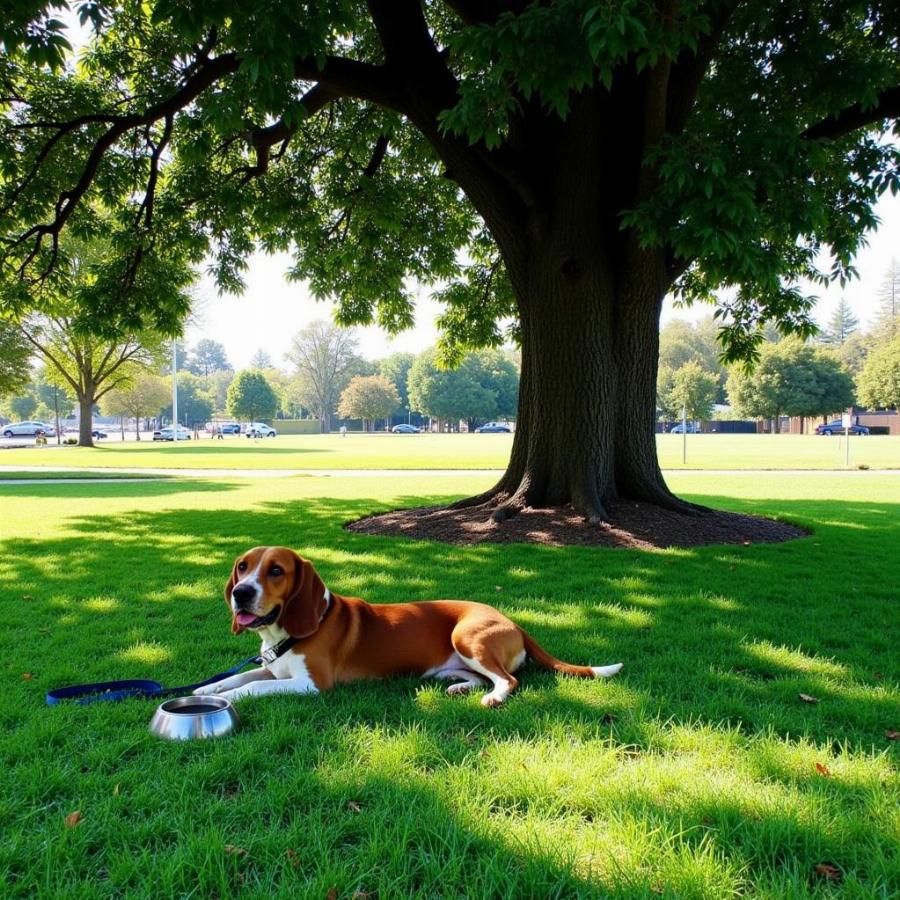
{"type": "Point", "coordinates": [301, 685]}
{"type": "Point", "coordinates": [235, 681]}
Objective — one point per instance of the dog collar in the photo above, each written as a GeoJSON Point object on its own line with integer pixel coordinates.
{"type": "Point", "coordinates": [278, 650]}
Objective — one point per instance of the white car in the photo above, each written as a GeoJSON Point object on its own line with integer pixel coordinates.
{"type": "Point", "coordinates": [29, 429]}
{"type": "Point", "coordinates": [168, 434]}
{"type": "Point", "coordinates": [260, 429]}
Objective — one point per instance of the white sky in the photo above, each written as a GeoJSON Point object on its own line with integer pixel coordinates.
{"type": "Point", "coordinates": [272, 310]}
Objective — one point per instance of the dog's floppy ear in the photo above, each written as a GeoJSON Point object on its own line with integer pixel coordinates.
{"type": "Point", "coordinates": [305, 605]}
{"type": "Point", "coordinates": [229, 587]}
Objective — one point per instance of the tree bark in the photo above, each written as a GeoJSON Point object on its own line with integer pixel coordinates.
{"type": "Point", "coordinates": [586, 427]}
{"type": "Point", "coordinates": [86, 417]}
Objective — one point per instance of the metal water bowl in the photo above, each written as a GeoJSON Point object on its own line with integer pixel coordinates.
{"type": "Point", "coordinates": [185, 718]}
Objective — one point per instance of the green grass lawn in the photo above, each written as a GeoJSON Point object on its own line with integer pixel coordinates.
{"type": "Point", "coordinates": [698, 772]}
{"type": "Point", "coordinates": [452, 451]}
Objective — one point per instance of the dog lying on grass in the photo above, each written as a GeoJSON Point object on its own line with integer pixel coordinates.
{"type": "Point", "coordinates": [313, 639]}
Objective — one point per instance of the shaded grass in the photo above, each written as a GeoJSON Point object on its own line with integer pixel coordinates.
{"type": "Point", "coordinates": [452, 451]}
{"type": "Point", "coordinates": [692, 774]}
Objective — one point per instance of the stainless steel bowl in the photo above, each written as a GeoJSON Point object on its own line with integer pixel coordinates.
{"type": "Point", "coordinates": [185, 718]}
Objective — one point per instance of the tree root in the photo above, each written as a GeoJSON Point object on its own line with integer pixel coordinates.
{"type": "Point", "coordinates": [496, 495]}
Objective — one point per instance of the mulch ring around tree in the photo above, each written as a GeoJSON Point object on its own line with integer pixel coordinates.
{"type": "Point", "coordinates": [632, 525]}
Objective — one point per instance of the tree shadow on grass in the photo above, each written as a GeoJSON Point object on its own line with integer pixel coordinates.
{"type": "Point", "coordinates": [143, 487]}
{"type": "Point", "coordinates": [718, 644]}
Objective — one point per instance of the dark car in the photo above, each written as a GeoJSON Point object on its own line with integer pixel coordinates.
{"type": "Point", "coordinates": [97, 433]}
{"type": "Point", "coordinates": [403, 428]}
{"type": "Point", "coordinates": [494, 428]}
{"type": "Point", "coordinates": [836, 427]}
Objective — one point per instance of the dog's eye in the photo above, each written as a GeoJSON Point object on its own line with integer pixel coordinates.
{"type": "Point", "coordinates": [276, 571]}
{"type": "Point", "coordinates": [242, 566]}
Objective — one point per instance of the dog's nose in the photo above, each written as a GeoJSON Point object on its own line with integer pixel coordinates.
{"type": "Point", "coordinates": [243, 594]}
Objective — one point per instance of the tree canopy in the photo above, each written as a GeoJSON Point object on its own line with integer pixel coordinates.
{"type": "Point", "coordinates": [791, 378]}
{"type": "Point", "coordinates": [250, 396]}
{"type": "Point", "coordinates": [216, 142]}
{"type": "Point", "coordinates": [15, 357]}
{"type": "Point", "coordinates": [207, 357]}
{"type": "Point", "coordinates": [368, 397]}
{"type": "Point", "coordinates": [879, 381]}
{"type": "Point", "coordinates": [689, 387]}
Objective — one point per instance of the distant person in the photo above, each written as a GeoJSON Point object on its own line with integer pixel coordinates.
{"type": "Point", "coordinates": [343, 431]}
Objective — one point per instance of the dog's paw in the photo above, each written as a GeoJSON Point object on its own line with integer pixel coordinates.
{"type": "Point", "coordinates": [207, 689]}
{"type": "Point", "coordinates": [492, 700]}
{"type": "Point", "coordinates": [461, 687]}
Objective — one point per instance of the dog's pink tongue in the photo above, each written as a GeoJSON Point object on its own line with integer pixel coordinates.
{"type": "Point", "coordinates": [245, 618]}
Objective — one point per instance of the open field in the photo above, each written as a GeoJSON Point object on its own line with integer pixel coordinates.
{"type": "Point", "coordinates": [452, 451]}
{"type": "Point", "coordinates": [698, 772]}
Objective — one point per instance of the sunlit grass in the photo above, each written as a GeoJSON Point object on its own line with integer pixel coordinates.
{"type": "Point", "coordinates": [698, 772]}
{"type": "Point", "coordinates": [452, 451]}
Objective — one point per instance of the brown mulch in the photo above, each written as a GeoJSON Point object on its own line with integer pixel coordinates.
{"type": "Point", "coordinates": [633, 525]}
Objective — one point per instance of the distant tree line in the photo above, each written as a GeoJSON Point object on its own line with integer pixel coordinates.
{"type": "Point", "coordinates": [843, 366]}
{"type": "Point", "coordinates": [51, 362]}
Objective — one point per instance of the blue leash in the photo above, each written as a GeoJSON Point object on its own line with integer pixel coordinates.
{"type": "Point", "coordinates": [120, 690]}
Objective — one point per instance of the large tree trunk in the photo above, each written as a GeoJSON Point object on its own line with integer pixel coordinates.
{"type": "Point", "coordinates": [585, 432]}
{"type": "Point", "coordinates": [85, 418]}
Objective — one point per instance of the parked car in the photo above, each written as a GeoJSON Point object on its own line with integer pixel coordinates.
{"type": "Point", "coordinates": [260, 429]}
{"type": "Point", "coordinates": [230, 428]}
{"type": "Point", "coordinates": [28, 429]}
{"type": "Point", "coordinates": [836, 427]}
{"type": "Point", "coordinates": [493, 428]}
{"type": "Point", "coordinates": [403, 428]}
{"type": "Point", "coordinates": [679, 429]}
{"type": "Point", "coordinates": [97, 433]}
{"type": "Point", "coordinates": [168, 434]}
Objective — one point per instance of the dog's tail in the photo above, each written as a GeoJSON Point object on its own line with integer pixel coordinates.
{"type": "Point", "coordinates": [546, 661]}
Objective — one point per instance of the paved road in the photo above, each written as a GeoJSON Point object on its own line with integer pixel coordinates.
{"type": "Point", "coordinates": [365, 473]}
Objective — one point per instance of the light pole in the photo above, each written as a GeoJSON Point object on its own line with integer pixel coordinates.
{"type": "Point", "coordinates": [174, 389]}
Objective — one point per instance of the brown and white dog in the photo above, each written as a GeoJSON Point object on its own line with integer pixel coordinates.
{"type": "Point", "coordinates": [334, 639]}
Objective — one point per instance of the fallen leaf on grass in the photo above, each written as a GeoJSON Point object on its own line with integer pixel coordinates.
{"type": "Point", "coordinates": [293, 858]}
{"type": "Point", "coordinates": [73, 818]}
{"type": "Point", "coordinates": [892, 735]}
{"type": "Point", "coordinates": [353, 806]}
{"type": "Point", "coordinates": [807, 698]}
{"type": "Point", "coordinates": [332, 894]}
{"type": "Point", "coordinates": [235, 851]}
{"type": "Point", "coordinates": [116, 791]}
{"type": "Point", "coordinates": [823, 770]}
{"type": "Point", "coordinates": [361, 895]}
{"type": "Point", "coordinates": [27, 676]}
{"type": "Point", "coordinates": [497, 588]}
{"type": "Point", "coordinates": [828, 871]}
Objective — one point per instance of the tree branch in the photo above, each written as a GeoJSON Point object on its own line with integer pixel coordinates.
{"type": "Point", "coordinates": [48, 355]}
{"type": "Point", "coordinates": [263, 139]}
{"type": "Point", "coordinates": [689, 69]}
{"type": "Point", "coordinates": [856, 116]}
{"type": "Point", "coordinates": [202, 79]}
{"type": "Point", "coordinates": [475, 12]}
